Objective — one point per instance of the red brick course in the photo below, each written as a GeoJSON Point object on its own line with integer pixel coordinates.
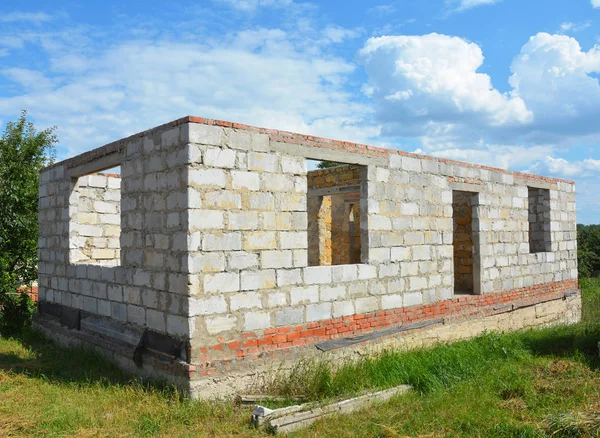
{"type": "Point", "coordinates": [281, 341]}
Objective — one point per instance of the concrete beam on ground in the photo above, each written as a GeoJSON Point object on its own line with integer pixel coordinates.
{"type": "Point", "coordinates": [292, 418]}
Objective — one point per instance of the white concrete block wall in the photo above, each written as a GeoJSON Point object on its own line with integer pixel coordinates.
{"type": "Point", "coordinates": [249, 211]}
{"type": "Point", "coordinates": [408, 229]}
{"type": "Point", "coordinates": [214, 243]}
{"type": "Point", "coordinates": [150, 286]}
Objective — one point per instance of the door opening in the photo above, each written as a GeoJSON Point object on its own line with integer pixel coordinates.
{"type": "Point", "coordinates": [465, 254]}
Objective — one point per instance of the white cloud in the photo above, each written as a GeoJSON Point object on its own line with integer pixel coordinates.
{"type": "Point", "coordinates": [552, 75]}
{"type": "Point", "coordinates": [556, 167]}
{"type": "Point", "coordinates": [420, 83]}
{"type": "Point", "coordinates": [399, 95]}
{"type": "Point", "coordinates": [28, 79]}
{"type": "Point", "coordinates": [462, 5]}
{"type": "Point", "coordinates": [253, 5]}
{"type": "Point", "coordinates": [429, 87]}
{"type": "Point", "coordinates": [564, 168]}
{"type": "Point", "coordinates": [337, 34]}
{"type": "Point", "coordinates": [260, 76]}
{"type": "Point", "coordinates": [11, 42]}
{"type": "Point", "coordinates": [592, 164]}
{"type": "Point", "coordinates": [595, 3]}
{"type": "Point", "coordinates": [32, 17]}
{"type": "Point", "coordinates": [383, 9]}
{"type": "Point", "coordinates": [496, 155]}
{"type": "Point", "coordinates": [574, 27]}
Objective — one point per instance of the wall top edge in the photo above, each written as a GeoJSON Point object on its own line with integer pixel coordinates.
{"type": "Point", "coordinates": [295, 138]}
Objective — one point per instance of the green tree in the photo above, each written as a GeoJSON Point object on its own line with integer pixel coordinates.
{"type": "Point", "coordinates": [588, 250]}
{"type": "Point", "coordinates": [23, 152]}
{"type": "Point", "coordinates": [328, 164]}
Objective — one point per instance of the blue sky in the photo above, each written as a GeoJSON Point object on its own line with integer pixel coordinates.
{"type": "Point", "coordinates": [507, 83]}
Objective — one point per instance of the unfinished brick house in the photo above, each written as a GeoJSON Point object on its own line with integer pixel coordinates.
{"type": "Point", "coordinates": [216, 257]}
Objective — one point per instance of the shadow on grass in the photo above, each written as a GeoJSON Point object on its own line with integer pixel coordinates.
{"type": "Point", "coordinates": [579, 340]}
{"type": "Point", "coordinates": [44, 359]}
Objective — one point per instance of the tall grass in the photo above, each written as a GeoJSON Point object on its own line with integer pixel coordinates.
{"type": "Point", "coordinates": [425, 370]}
{"type": "Point", "coordinates": [590, 300]}
{"type": "Point", "coordinates": [440, 367]}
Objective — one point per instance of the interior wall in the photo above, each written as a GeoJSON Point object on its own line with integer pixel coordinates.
{"type": "Point", "coordinates": [334, 219]}
{"type": "Point", "coordinates": [539, 220]}
{"type": "Point", "coordinates": [462, 208]}
{"type": "Point", "coordinates": [96, 220]}
{"type": "Point", "coordinates": [319, 230]}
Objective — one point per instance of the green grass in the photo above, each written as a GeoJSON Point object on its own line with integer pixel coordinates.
{"type": "Point", "coordinates": [531, 383]}
{"type": "Point", "coordinates": [425, 370]}
{"type": "Point", "coordinates": [439, 367]}
{"type": "Point", "coordinates": [591, 300]}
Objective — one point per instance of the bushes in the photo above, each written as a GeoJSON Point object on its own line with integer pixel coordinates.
{"type": "Point", "coordinates": [16, 310]}
{"type": "Point", "coordinates": [588, 250]}
{"type": "Point", "coordinates": [23, 152]}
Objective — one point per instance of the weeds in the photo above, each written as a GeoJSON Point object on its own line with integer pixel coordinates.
{"type": "Point", "coordinates": [440, 367]}
{"type": "Point", "coordinates": [590, 300]}
{"type": "Point", "coordinates": [425, 370]}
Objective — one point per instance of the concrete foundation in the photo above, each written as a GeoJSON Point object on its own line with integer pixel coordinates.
{"type": "Point", "coordinates": [565, 310]}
